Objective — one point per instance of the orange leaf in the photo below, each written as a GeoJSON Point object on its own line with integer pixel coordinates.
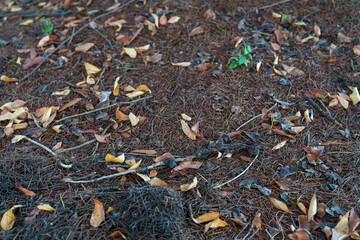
{"type": "Point", "coordinates": [121, 116]}
{"type": "Point", "coordinates": [163, 157]}
{"type": "Point", "coordinates": [157, 182]}
{"type": "Point", "coordinates": [69, 104]}
{"type": "Point", "coordinates": [203, 67]}
{"type": "Point", "coordinates": [215, 224]}
{"type": "Point", "coordinates": [163, 19]}
{"type": "Point", "coordinates": [24, 190]}
{"type": "Point", "coordinates": [207, 217]}
{"type": "Point", "coordinates": [144, 151]}
{"type": "Point", "coordinates": [84, 48]}
{"type": "Point", "coordinates": [98, 215]}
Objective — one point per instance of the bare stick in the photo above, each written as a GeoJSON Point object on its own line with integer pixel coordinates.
{"type": "Point", "coordinates": [72, 35]}
{"type": "Point", "coordinates": [274, 4]}
{"type": "Point", "coordinates": [242, 173]}
{"type": "Point", "coordinates": [81, 145]}
{"type": "Point", "coordinates": [99, 109]}
{"type": "Point", "coordinates": [253, 118]}
{"type": "Point", "coordinates": [40, 145]}
{"type": "Point", "coordinates": [126, 172]}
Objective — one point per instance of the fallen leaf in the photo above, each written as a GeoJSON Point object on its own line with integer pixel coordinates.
{"type": "Point", "coordinates": [69, 104]}
{"type": "Point", "coordinates": [135, 166]}
{"type": "Point", "coordinates": [307, 116]}
{"type": "Point", "coordinates": [187, 165]}
{"type": "Point", "coordinates": [61, 93]}
{"type": "Point", "coordinates": [121, 116]}
{"type": "Point", "coordinates": [280, 145]}
{"type": "Point", "coordinates": [298, 129]}
{"type": "Point", "coordinates": [354, 221]}
{"type": "Point", "coordinates": [300, 234]}
{"type": "Point", "coordinates": [207, 217]}
{"type": "Point", "coordinates": [185, 117]}
{"type": "Point", "coordinates": [356, 49]}
{"type": "Point", "coordinates": [163, 19]}
{"type": "Point", "coordinates": [91, 69]}
{"type": "Point", "coordinates": [355, 97]}
{"type": "Point", "coordinates": [342, 228]}
{"type": "Point", "coordinates": [8, 220]}
{"type": "Point", "coordinates": [145, 151]}
{"type": "Point", "coordinates": [17, 138]}
{"type": "Point", "coordinates": [133, 119]}
{"type": "Point", "coordinates": [135, 94]}
{"type": "Point", "coordinates": [256, 222]}
{"type": "Point", "coordinates": [143, 176]}
{"type": "Point", "coordinates": [343, 102]}
{"type": "Point", "coordinates": [157, 182]}
{"type": "Point", "coordinates": [27, 22]}
{"type": "Point", "coordinates": [174, 19]}
{"type": "Point", "coordinates": [344, 38]}
{"type": "Point", "coordinates": [215, 224]}
{"type": "Point", "coordinates": [56, 128]}
{"type": "Point", "coordinates": [275, 46]}
{"type": "Point", "coordinates": [112, 158]}
{"type": "Point", "coordinates": [317, 30]}
{"type": "Point", "coordinates": [131, 52]}
{"type": "Point", "coordinates": [143, 88]}
{"type": "Point", "coordinates": [313, 154]}
{"type": "Point", "coordinates": [142, 49]}
{"type": "Point", "coordinates": [189, 186]}
{"type": "Point", "coordinates": [210, 14]}
{"type": "Point", "coordinates": [182, 64]}
{"type": "Point", "coordinates": [44, 41]}
{"type": "Point", "coordinates": [84, 48]}
{"type": "Point", "coordinates": [279, 205]}
{"type": "Point", "coordinates": [7, 79]}
{"type": "Point", "coordinates": [155, 58]}
{"type": "Point", "coordinates": [100, 138]}
{"type": "Point", "coordinates": [164, 157]}
{"type": "Point", "coordinates": [312, 208]}
{"type": "Point", "coordinates": [301, 205]}
{"type": "Point", "coordinates": [117, 234]}
{"type": "Point", "coordinates": [98, 215]}
{"type": "Point", "coordinates": [186, 129]}
{"type": "Point", "coordinates": [24, 190]}
{"type": "Point", "coordinates": [196, 31]}
{"type": "Point", "coordinates": [45, 207]}
{"type": "Point", "coordinates": [156, 19]}
{"type": "Point", "coordinates": [203, 67]}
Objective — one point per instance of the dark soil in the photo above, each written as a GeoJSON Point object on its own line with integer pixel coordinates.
{"type": "Point", "coordinates": [220, 98]}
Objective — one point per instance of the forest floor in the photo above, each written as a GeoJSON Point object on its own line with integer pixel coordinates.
{"type": "Point", "coordinates": [244, 113]}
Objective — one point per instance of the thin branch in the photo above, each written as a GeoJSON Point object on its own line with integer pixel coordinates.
{"type": "Point", "coordinates": [72, 35]}
{"type": "Point", "coordinates": [81, 145]}
{"type": "Point", "coordinates": [126, 172]}
{"type": "Point", "coordinates": [242, 173]}
{"type": "Point", "coordinates": [274, 4]}
{"type": "Point", "coordinates": [40, 145]}
{"type": "Point", "coordinates": [103, 108]}
{"type": "Point", "coordinates": [253, 118]}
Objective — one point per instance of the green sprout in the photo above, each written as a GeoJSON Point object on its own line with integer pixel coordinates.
{"type": "Point", "coordinates": [48, 26]}
{"type": "Point", "coordinates": [243, 58]}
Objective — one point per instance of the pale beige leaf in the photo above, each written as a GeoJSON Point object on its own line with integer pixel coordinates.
{"type": "Point", "coordinates": [8, 220]}
{"type": "Point", "coordinates": [91, 69]}
{"type": "Point", "coordinates": [307, 116]}
{"type": "Point", "coordinates": [298, 129]}
{"type": "Point", "coordinates": [317, 30]}
{"type": "Point", "coordinates": [355, 97]}
{"type": "Point", "coordinates": [145, 151]}
{"type": "Point", "coordinates": [100, 138]}
{"type": "Point", "coordinates": [196, 31]}
{"type": "Point", "coordinates": [27, 22]}
{"type": "Point", "coordinates": [135, 94]}
{"type": "Point", "coordinates": [112, 158]}
{"type": "Point", "coordinates": [210, 14]}
{"type": "Point", "coordinates": [343, 102]}
{"type": "Point", "coordinates": [280, 145]}
{"type": "Point", "coordinates": [163, 19]}
{"type": "Point", "coordinates": [333, 102]}
{"type": "Point", "coordinates": [17, 138]}
{"type": "Point", "coordinates": [344, 38]}
{"type": "Point", "coordinates": [56, 128]}
{"type": "Point", "coordinates": [84, 48]}
{"type": "Point", "coordinates": [133, 119]}
{"type": "Point", "coordinates": [186, 129]}
{"type": "Point", "coordinates": [181, 64]}
{"type": "Point", "coordinates": [61, 93]}
{"type": "Point", "coordinates": [312, 207]}
{"type": "Point", "coordinates": [279, 205]}
{"type": "Point", "coordinates": [144, 177]}
{"type": "Point", "coordinates": [215, 224]}
{"type": "Point", "coordinates": [157, 182]}
{"type": "Point", "coordinates": [156, 18]}
{"type": "Point", "coordinates": [142, 49]}
{"type": "Point", "coordinates": [43, 41]}
{"type": "Point", "coordinates": [356, 49]}
{"type": "Point", "coordinates": [187, 187]}
{"type": "Point", "coordinates": [341, 229]}
{"type": "Point", "coordinates": [57, 146]}
{"type": "Point", "coordinates": [207, 217]}
{"type": "Point", "coordinates": [98, 215]}
{"type": "Point", "coordinates": [135, 166]}
{"type": "Point", "coordinates": [185, 117]}
{"type": "Point", "coordinates": [174, 19]}
{"type": "Point", "coordinates": [45, 207]}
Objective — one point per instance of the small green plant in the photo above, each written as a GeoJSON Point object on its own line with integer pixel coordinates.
{"type": "Point", "coordinates": [243, 58]}
{"type": "Point", "coordinates": [48, 26]}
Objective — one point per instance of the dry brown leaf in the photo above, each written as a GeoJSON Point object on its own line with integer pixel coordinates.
{"type": "Point", "coordinates": [69, 104]}
{"type": "Point", "coordinates": [121, 116]}
{"type": "Point", "coordinates": [317, 30]}
{"type": "Point", "coordinates": [174, 19]}
{"type": "Point", "coordinates": [282, 132]}
{"type": "Point", "coordinates": [7, 79]}
{"type": "Point", "coordinates": [24, 190]}
{"type": "Point", "coordinates": [84, 48]}
{"type": "Point", "coordinates": [153, 173]}
{"type": "Point", "coordinates": [356, 49]}
{"type": "Point", "coordinates": [100, 138]}
{"type": "Point", "coordinates": [117, 234]}
{"type": "Point", "coordinates": [275, 46]}
{"type": "Point", "coordinates": [298, 129]}
{"type": "Point", "coordinates": [164, 157]}
{"type": "Point", "coordinates": [300, 234]}
{"type": "Point", "coordinates": [154, 59]}
{"type": "Point", "coordinates": [279, 205]}
{"type": "Point", "coordinates": [18, 103]}
{"type": "Point", "coordinates": [187, 165]}
{"type": "Point", "coordinates": [283, 186]}
{"type": "Point", "coordinates": [344, 38]}
{"type": "Point", "coordinates": [98, 215]}
{"type": "Point", "coordinates": [67, 4]}
{"type": "Point", "coordinates": [157, 182]}
{"type": "Point", "coordinates": [186, 129]}
{"type": "Point", "coordinates": [189, 186]}
{"type": "Point", "coordinates": [91, 69]}
{"type": "Point", "coordinates": [45, 207]}
{"type": "Point", "coordinates": [256, 222]}
{"type": "Point", "coordinates": [354, 221]}
{"type": "Point", "coordinates": [312, 208]}
{"type": "Point", "coordinates": [341, 230]}
{"type": "Point", "coordinates": [203, 67]}
{"type": "Point", "coordinates": [163, 19]}
{"type": "Point", "coordinates": [210, 14]}
{"type": "Point", "coordinates": [215, 224]}
{"type": "Point", "coordinates": [313, 154]}
{"type": "Point", "coordinates": [8, 220]}
{"type": "Point", "coordinates": [207, 217]}
{"type": "Point", "coordinates": [145, 151]}
{"type": "Point", "coordinates": [112, 158]}
{"type": "Point", "coordinates": [196, 31]}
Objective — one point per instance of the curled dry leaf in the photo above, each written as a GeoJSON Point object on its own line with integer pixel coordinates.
{"type": "Point", "coordinates": [112, 158]}
{"type": "Point", "coordinates": [157, 182]}
{"type": "Point", "coordinates": [187, 165]}
{"type": "Point", "coordinates": [317, 30]}
{"type": "Point", "coordinates": [356, 49]}
{"type": "Point", "coordinates": [7, 79]}
{"type": "Point", "coordinates": [181, 64]}
{"type": "Point", "coordinates": [256, 222]}
{"type": "Point", "coordinates": [43, 41]}
{"type": "Point", "coordinates": [196, 31]}
{"type": "Point", "coordinates": [17, 138]}
{"type": "Point", "coordinates": [185, 117]}
{"type": "Point", "coordinates": [69, 104]}
{"type": "Point", "coordinates": [210, 14]}
{"type": "Point", "coordinates": [312, 208]}
{"type": "Point", "coordinates": [215, 224]}
{"type": "Point", "coordinates": [131, 52]}
{"type": "Point", "coordinates": [189, 186]}
{"type": "Point", "coordinates": [300, 234]}
{"type": "Point", "coordinates": [100, 138]}
{"type": "Point", "coordinates": [203, 67]}
{"type": "Point", "coordinates": [344, 38]}
{"type": "Point", "coordinates": [135, 166]}
{"type": "Point", "coordinates": [280, 145]}
{"type": "Point", "coordinates": [279, 205]}
{"type": "Point", "coordinates": [98, 215]}
{"type": "Point", "coordinates": [301, 205]}
{"type": "Point", "coordinates": [121, 116]}
{"type": "Point", "coordinates": [91, 69]}
{"type": "Point", "coordinates": [164, 157]}
{"type": "Point", "coordinates": [207, 217]}
{"type": "Point", "coordinates": [186, 129]}
{"type": "Point", "coordinates": [84, 48]}
{"type": "Point", "coordinates": [45, 207]}
{"type": "Point", "coordinates": [341, 230]}
{"type": "Point", "coordinates": [24, 190]}
{"type": "Point", "coordinates": [313, 154]}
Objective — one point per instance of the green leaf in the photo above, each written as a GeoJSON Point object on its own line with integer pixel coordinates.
{"type": "Point", "coordinates": [242, 60]}
{"type": "Point", "coordinates": [233, 64]}
{"type": "Point", "coordinates": [250, 56]}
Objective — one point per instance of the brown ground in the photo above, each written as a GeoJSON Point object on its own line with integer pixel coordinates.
{"type": "Point", "coordinates": [221, 98]}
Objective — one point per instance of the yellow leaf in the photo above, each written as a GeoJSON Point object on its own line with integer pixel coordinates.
{"type": "Point", "coordinates": [215, 224]}
{"type": "Point", "coordinates": [116, 86]}
{"type": "Point", "coordinates": [301, 205]}
{"type": "Point", "coordinates": [312, 208]}
{"type": "Point", "coordinates": [144, 177]}
{"type": "Point", "coordinates": [143, 88]}
{"type": "Point", "coordinates": [134, 94]}
{"type": "Point", "coordinates": [98, 215]}
{"type": "Point", "coordinates": [182, 64]}
{"type": "Point", "coordinates": [343, 102]}
{"type": "Point", "coordinates": [130, 51]}
{"type": "Point", "coordinates": [56, 128]}
{"type": "Point", "coordinates": [121, 116]}
{"type": "Point", "coordinates": [8, 220]}
{"type": "Point", "coordinates": [61, 93]}
{"type": "Point", "coordinates": [91, 69]}
{"type": "Point", "coordinates": [133, 119]}
{"type": "Point", "coordinates": [279, 205]}
{"type": "Point", "coordinates": [157, 182]}
{"type": "Point", "coordinates": [27, 22]}
{"type": "Point", "coordinates": [278, 72]}
{"type": "Point", "coordinates": [135, 166]}
{"type": "Point", "coordinates": [207, 217]}
{"type": "Point", "coordinates": [112, 158]}
{"type": "Point", "coordinates": [186, 129]}
{"type": "Point", "coordinates": [185, 117]}
{"type": "Point", "coordinates": [46, 207]}
{"type": "Point", "coordinates": [189, 186]}
{"type": "Point", "coordinates": [355, 97]}
{"type": "Point", "coordinates": [7, 79]}
{"type": "Point", "coordinates": [142, 49]}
